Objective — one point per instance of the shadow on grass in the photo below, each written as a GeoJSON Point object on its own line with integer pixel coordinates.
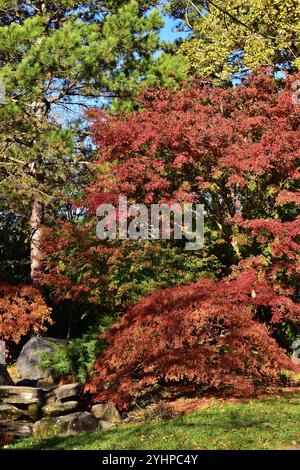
{"type": "Point", "coordinates": [240, 425]}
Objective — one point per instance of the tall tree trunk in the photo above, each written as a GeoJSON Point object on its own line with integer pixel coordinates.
{"type": "Point", "coordinates": [39, 110]}
{"type": "Point", "coordinates": [36, 222]}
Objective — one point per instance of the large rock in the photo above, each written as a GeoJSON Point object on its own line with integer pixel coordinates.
{"type": "Point", "coordinates": [29, 362]}
{"type": "Point", "coordinates": [46, 383]}
{"type": "Point", "coordinates": [34, 411]}
{"type": "Point", "coordinates": [106, 412]}
{"type": "Point", "coordinates": [21, 395]}
{"type": "Point", "coordinates": [105, 426]}
{"type": "Point", "coordinates": [9, 412]}
{"type": "Point", "coordinates": [50, 396]}
{"type": "Point", "coordinates": [16, 428]}
{"type": "Point", "coordinates": [59, 409]}
{"type": "Point", "coordinates": [68, 392]}
{"type": "Point", "coordinates": [69, 425]}
{"type": "Point", "coordinates": [5, 378]}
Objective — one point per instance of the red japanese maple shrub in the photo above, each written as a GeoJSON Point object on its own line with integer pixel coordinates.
{"type": "Point", "coordinates": [191, 337]}
{"type": "Point", "coordinates": [22, 310]}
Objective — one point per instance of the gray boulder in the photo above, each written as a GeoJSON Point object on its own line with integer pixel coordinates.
{"type": "Point", "coordinates": [15, 428]}
{"type": "Point", "coordinates": [69, 425]}
{"type": "Point", "coordinates": [106, 412]}
{"type": "Point", "coordinates": [21, 395]}
{"type": "Point", "coordinates": [28, 365]}
{"type": "Point", "coordinates": [68, 392]}
{"type": "Point", "coordinates": [46, 383]}
{"type": "Point", "coordinates": [59, 409]}
{"type": "Point", "coordinates": [105, 426]}
{"type": "Point", "coordinates": [9, 412]}
{"type": "Point", "coordinates": [34, 411]}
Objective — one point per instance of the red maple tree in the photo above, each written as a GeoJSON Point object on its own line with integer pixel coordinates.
{"type": "Point", "coordinates": [194, 338]}
{"type": "Point", "coordinates": [236, 151]}
{"type": "Point", "coordinates": [22, 310]}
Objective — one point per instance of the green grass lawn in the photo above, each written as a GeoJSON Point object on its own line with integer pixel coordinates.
{"type": "Point", "coordinates": [273, 423]}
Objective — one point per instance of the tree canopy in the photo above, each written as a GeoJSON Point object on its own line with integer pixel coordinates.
{"type": "Point", "coordinates": [232, 37]}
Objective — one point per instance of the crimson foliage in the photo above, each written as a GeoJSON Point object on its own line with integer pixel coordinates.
{"type": "Point", "coordinates": [237, 152]}
{"type": "Point", "coordinates": [234, 150]}
{"type": "Point", "coordinates": [195, 337]}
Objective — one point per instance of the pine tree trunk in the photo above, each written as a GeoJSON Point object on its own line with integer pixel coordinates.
{"type": "Point", "coordinates": [36, 222]}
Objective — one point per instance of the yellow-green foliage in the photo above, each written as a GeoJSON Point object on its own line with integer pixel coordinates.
{"type": "Point", "coordinates": [235, 35]}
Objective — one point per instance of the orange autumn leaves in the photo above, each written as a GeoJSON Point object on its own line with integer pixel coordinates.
{"type": "Point", "coordinates": [22, 310]}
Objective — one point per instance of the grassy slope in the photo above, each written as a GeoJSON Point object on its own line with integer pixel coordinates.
{"type": "Point", "coordinates": [273, 423]}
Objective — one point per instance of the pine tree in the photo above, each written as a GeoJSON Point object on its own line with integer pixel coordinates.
{"type": "Point", "coordinates": [56, 58]}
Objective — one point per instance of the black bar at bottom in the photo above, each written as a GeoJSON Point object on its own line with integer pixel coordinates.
{"type": "Point", "coordinates": [135, 459]}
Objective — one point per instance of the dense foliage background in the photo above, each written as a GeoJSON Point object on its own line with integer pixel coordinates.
{"type": "Point", "coordinates": [97, 106]}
